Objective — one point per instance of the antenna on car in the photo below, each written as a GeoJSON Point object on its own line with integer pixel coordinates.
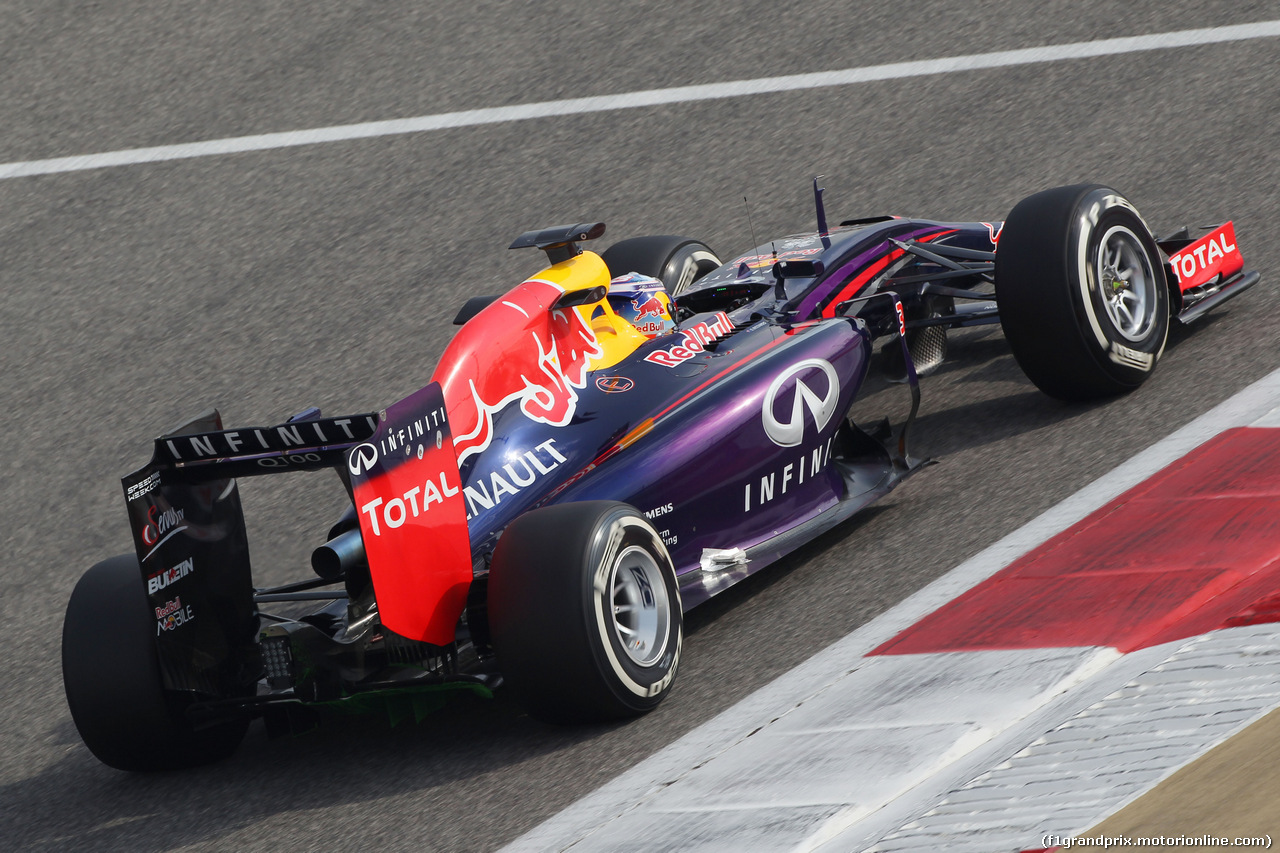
{"type": "Point", "coordinates": [750, 225]}
{"type": "Point", "coordinates": [822, 211]}
{"type": "Point", "coordinates": [743, 269]}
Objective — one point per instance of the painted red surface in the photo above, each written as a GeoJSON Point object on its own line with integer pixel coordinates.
{"type": "Point", "coordinates": [1194, 548]}
{"type": "Point", "coordinates": [1215, 254]}
{"type": "Point", "coordinates": [413, 519]}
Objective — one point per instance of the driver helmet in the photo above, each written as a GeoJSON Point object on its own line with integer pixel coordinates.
{"type": "Point", "coordinates": [643, 302]}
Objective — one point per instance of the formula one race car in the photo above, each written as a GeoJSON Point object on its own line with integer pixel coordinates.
{"type": "Point", "coordinates": [602, 447]}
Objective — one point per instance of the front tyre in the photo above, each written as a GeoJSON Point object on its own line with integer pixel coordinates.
{"type": "Point", "coordinates": [111, 675]}
{"type": "Point", "coordinates": [585, 612]}
{"type": "Point", "coordinates": [1082, 295]}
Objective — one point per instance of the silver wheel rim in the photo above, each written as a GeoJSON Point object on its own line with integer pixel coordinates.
{"type": "Point", "coordinates": [693, 263]}
{"type": "Point", "coordinates": [640, 607]}
{"type": "Point", "coordinates": [1127, 283]}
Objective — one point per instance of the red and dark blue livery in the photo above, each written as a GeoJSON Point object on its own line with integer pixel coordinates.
{"type": "Point", "coordinates": [602, 447]}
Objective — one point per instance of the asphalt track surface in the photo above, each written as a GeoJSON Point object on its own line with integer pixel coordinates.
{"type": "Point", "coordinates": [326, 275]}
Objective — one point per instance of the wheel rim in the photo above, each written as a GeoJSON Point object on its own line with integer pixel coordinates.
{"type": "Point", "coordinates": [1127, 283]}
{"type": "Point", "coordinates": [640, 606]}
{"type": "Point", "coordinates": [694, 265]}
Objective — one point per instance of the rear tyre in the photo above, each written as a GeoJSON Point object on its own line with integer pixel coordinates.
{"type": "Point", "coordinates": [1082, 294]}
{"type": "Point", "coordinates": [676, 261]}
{"type": "Point", "coordinates": [585, 612]}
{"type": "Point", "coordinates": [112, 679]}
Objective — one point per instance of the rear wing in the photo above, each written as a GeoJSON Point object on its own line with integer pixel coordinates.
{"type": "Point", "coordinates": [305, 442]}
{"type": "Point", "coordinates": [189, 530]}
{"type": "Point", "coordinates": [189, 534]}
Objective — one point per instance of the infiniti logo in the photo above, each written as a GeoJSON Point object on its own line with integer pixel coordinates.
{"type": "Point", "coordinates": [791, 432]}
{"type": "Point", "coordinates": [361, 458]}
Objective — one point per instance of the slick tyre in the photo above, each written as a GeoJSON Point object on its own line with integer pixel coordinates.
{"type": "Point", "coordinates": [1082, 294]}
{"type": "Point", "coordinates": [112, 679]}
{"type": "Point", "coordinates": [676, 261]}
{"type": "Point", "coordinates": [585, 612]}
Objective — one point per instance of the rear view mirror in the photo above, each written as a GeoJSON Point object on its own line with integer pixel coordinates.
{"type": "Point", "coordinates": [573, 298]}
{"type": "Point", "coordinates": [797, 269]}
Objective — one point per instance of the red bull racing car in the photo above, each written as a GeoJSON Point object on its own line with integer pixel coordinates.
{"type": "Point", "coordinates": [602, 447]}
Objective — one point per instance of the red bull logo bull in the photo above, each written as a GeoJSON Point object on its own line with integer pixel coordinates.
{"type": "Point", "coordinates": [649, 307]}
{"type": "Point", "coordinates": [515, 351]}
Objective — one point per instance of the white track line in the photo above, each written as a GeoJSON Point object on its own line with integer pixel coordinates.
{"type": "Point", "coordinates": [1257, 404]}
{"type": "Point", "coordinates": [648, 98]}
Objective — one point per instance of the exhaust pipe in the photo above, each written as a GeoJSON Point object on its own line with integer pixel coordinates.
{"type": "Point", "coordinates": [335, 558]}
